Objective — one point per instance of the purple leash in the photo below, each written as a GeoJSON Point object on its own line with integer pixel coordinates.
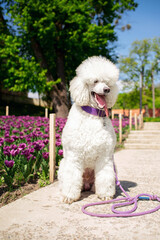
{"type": "Point", "coordinates": [126, 201]}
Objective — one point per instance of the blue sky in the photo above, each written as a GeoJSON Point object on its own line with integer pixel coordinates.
{"type": "Point", "coordinates": [145, 22]}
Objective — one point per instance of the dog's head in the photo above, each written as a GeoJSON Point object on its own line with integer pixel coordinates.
{"type": "Point", "coordinates": [95, 83]}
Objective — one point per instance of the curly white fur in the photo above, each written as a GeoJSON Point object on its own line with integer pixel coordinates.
{"type": "Point", "coordinates": [88, 140]}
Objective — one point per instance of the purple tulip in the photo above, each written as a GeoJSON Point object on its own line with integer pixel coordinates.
{"type": "Point", "coordinates": [9, 164]}
{"type": "Point", "coordinates": [45, 155]}
{"type": "Point", "coordinates": [60, 152]}
{"type": "Point", "coordinates": [1, 141]}
{"type": "Point", "coordinates": [9, 140]}
{"type": "Point", "coordinates": [13, 147]}
{"type": "Point", "coordinates": [14, 137]}
{"type": "Point", "coordinates": [6, 150]}
{"type": "Point", "coordinates": [30, 157]}
{"type": "Point", "coordinates": [22, 146]}
{"type": "Point", "coordinates": [6, 135]}
{"type": "Point", "coordinates": [58, 143]}
{"type": "Point", "coordinates": [15, 131]}
{"type": "Point", "coordinates": [14, 152]}
{"type": "Point", "coordinates": [46, 141]}
{"type": "Point", "coordinates": [25, 152]}
{"type": "Point", "coordinates": [38, 146]}
{"type": "Point", "coordinates": [57, 136]}
{"type": "Point", "coordinates": [46, 130]}
{"type": "Point", "coordinates": [28, 139]}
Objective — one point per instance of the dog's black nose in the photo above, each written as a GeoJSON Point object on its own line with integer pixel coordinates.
{"type": "Point", "coordinates": [106, 90]}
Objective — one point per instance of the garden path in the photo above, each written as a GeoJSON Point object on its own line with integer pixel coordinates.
{"type": "Point", "coordinates": [147, 138]}
{"type": "Point", "coordinates": [41, 216]}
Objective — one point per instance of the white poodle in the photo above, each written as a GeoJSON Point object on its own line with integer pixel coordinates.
{"type": "Point", "coordinates": [88, 137]}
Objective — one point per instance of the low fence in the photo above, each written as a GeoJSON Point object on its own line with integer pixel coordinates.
{"type": "Point", "coordinates": [138, 124]}
{"type": "Point", "coordinates": [45, 113]}
{"type": "Point", "coordinates": [133, 118]}
{"type": "Point", "coordinates": [24, 99]}
{"type": "Point", "coordinates": [126, 112]}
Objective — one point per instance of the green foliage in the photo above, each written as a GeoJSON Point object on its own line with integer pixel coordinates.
{"type": "Point", "coordinates": [48, 29]}
{"type": "Point", "coordinates": [150, 119]}
{"type": "Point", "coordinates": [143, 56]}
{"type": "Point", "coordinates": [143, 60]}
{"type": "Point", "coordinates": [43, 179]}
{"type": "Point", "coordinates": [128, 100]}
{"type": "Point", "coordinates": [2, 181]}
{"type": "Point", "coordinates": [8, 175]}
{"type": "Point", "coordinates": [20, 73]}
{"type": "Point", "coordinates": [131, 99]}
{"type": "Point", "coordinates": [136, 63]}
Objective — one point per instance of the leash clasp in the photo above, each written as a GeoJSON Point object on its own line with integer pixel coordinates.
{"type": "Point", "coordinates": [143, 198]}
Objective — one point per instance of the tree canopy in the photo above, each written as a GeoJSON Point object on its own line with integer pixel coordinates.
{"type": "Point", "coordinates": [48, 39]}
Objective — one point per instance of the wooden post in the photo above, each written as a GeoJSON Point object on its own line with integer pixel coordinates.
{"type": "Point", "coordinates": [52, 119]}
{"type": "Point", "coordinates": [120, 128]}
{"type": "Point", "coordinates": [142, 118]}
{"type": "Point", "coordinates": [135, 121]}
{"type": "Point", "coordinates": [112, 114]}
{"type": "Point", "coordinates": [141, 121]}
{"type": "Point", "coordinates": [46, 112]}
{"type": "Point", "coordinates": [130, 120]}
{"type": "Point", "coordinates": [7, 110]}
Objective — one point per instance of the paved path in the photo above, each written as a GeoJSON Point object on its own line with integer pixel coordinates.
{"type": "Point", "coordinates": [40, 215]}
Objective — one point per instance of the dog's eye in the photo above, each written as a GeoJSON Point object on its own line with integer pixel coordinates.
{"type": "Point", "coordinates": [96, 81]}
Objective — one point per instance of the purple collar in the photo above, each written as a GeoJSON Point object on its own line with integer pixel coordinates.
{"type": "Point", "coordinates": [94, 111]}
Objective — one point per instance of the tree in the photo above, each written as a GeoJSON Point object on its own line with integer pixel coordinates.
{"type": "Point", "coordinates": [155, 67]}
{"type": "Point", "coordinates": [141, 64]}
{"type": "Point", "coordinates": [60, 34]}
{"type": "Point", "coordinates": [134, 65]}
{"type": "Point", "coordinates": [128, 100]}
{"type": "Point", "coordinates": [19, 71]}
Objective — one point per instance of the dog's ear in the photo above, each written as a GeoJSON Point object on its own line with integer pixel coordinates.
{"type": "Point", "coordinates": [79, 91]}
{"type": "Point", "coordinates": [112, 96]}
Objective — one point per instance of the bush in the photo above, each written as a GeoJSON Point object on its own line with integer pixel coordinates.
{"type": "Point", "coordinates": [150, 119]}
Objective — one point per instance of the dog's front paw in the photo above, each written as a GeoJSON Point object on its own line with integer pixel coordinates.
{"type": "Point", "coordinates": [105, 198]}
{"type": "Point", "coordinates": [69, 200]}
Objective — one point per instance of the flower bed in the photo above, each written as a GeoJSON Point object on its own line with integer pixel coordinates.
{"type": "Point", "coordinates": [125, 127]}
{"type": "Point", "coordinates": [24, 147]}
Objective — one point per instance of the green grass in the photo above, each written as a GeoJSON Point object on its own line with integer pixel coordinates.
{"type": "Point", "coordinates": [151, 119]}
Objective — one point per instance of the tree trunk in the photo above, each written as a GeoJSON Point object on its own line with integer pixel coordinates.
{"type": "Point", "coordinates": [58, 94]}
{"type": "Point", "coordinates": [153, 94]}
{"type": "Point", "coordinates": [60, 98]}
{"type": "Point", "coordinates": [60, 101]}
{"type": "Point", "coordinates": [41, 58]}
{"type": "Point", "coordinates": [141, 91]}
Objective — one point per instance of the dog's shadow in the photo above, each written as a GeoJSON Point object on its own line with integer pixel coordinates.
{"type": "Point", "coordinates": [126, 185]}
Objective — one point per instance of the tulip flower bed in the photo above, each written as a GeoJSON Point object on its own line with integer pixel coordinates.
{"type": "Point", "coordinates": [24, 147]}
{"type": "Point", "coordinates": [125, 126]}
